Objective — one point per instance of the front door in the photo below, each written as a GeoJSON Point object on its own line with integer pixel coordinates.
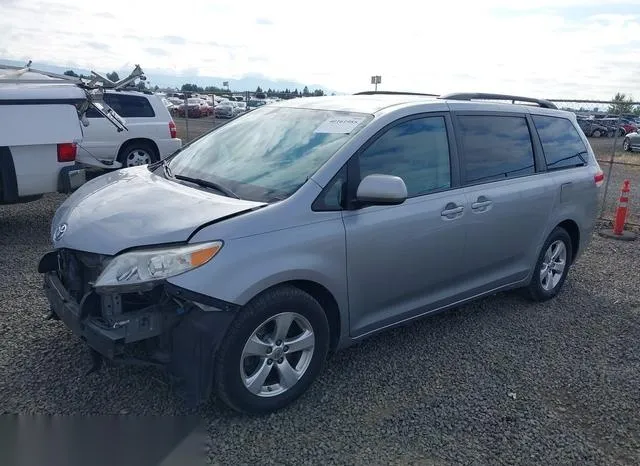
{"type": "Point", "coordinates": [405, 259]}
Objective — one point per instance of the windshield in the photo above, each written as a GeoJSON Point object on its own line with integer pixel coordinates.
{"type": "Point", "coordinates": [267, 154]}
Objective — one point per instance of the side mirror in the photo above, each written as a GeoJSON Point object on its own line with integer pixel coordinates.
{"type": "Point", "coordinates": [382, 190]}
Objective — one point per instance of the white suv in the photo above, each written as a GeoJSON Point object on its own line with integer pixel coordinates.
{"type": "Point", "coordinates": [151, 132]}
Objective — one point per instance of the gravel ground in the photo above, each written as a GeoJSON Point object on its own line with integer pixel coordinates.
{"type": "Point", "coordinates": [496, 382]}
{"type": "Point", "coordinates": [197, 126]}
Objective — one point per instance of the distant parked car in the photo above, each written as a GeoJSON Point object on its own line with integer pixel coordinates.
{"type": "Point", "coordinates": [631, 142]}
{"type": "Point", "coordinates": [191, 110]}
{"type": "Point", "coordinates": [172, 107]}
{"type": "Point", "coordinates": [613, 125]}
{"type": "Point", "coordinates": [239, 107]}
{"type": "Point", "coordinates": [206, 107]}
{"type": "Point", "coordinates": [629, 125]}
{"type": "Point", "coordinates": [255, 103]}
{"type": "Point", "coordinates": [224, 109]}
{"type": "Point", "coordinates": [197, 108]}
{"type": "Point", "coordinates": [592, 128]}
{"type": "Point", "coordinates": [151, 133]}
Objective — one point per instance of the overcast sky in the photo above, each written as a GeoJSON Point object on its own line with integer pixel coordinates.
{"type": "Point", "coordinates": [547, 48]}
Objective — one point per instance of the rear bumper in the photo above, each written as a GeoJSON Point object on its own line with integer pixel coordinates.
{"type": "Point", "coordinates": [71, 178]}
{"type": "Point", "coordinates": [167, 147]}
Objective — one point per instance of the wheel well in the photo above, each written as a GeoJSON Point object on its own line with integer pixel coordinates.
{"type": "Point", "coordinates": [571, 227]}
{"type": "Point", "coordinates": [328, 303]}
{"type": "Point", "coordinates": [138, 140]}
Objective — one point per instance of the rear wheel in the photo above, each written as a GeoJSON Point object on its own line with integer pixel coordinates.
{"type": "Point", "coordinates": [273, 351]}
{"type": "Point", "coordinates": [552, 267]}
{"type": "Point", "coordinates": [137, 153]}
{"type": "Point", "coordinates": [596, 133]}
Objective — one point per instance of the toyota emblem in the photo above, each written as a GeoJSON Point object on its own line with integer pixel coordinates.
{"type": "Point", "coordinates": [59, 233]}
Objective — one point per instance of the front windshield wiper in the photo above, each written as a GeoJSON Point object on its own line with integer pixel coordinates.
{"type": "Point", "coordinates": [206, 183]}
{"type": "Point", "coordinates": [167, 170]}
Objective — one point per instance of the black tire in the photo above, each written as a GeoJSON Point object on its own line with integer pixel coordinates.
{"type": "Point", "coordinates": [626, 144]}
{"type": "Point", "coordinates": [535, 290]}
{"type": "Point", "coordinates": [596, 133]}
{"type": "Point", "coordinates": [228, 383]}
{"type": "Point", "coordinates": [132, 146]}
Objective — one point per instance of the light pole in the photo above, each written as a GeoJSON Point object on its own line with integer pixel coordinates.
{"type": "Point", "coordinates": [376, 80]}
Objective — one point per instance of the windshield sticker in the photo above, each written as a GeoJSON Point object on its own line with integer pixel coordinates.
{"type": "Point", "coordinates": [339, 125]}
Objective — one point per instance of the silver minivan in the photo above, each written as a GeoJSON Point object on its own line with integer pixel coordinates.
{"type": "Point", "coordinates": [240, 262]}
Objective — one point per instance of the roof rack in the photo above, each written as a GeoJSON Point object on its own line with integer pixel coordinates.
{"type": "Point", "coordinates": [394, 93]}
{"type": "Point", "coordinates": [513, 98]}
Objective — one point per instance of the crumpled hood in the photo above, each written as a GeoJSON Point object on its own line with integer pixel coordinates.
{"type": "Point", "coordinates": [133, 207]}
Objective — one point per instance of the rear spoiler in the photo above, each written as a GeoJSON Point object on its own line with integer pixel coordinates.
{"type": "Point", "coordinates": [93, 88]}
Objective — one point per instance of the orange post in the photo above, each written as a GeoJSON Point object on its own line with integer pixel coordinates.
{"type": "Point", "coordinates": [621, 210]}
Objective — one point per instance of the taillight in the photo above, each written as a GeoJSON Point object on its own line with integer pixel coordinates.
{"type": "Point", "coordinates": [172, 130]}
{"type": "Point", "coordinates": [67, 152]}
{"type": "Point", "coordinates": [599, 178]}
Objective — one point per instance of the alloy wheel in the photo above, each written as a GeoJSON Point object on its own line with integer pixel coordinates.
{"type": "Point", "coordinates": [138, 157]}
{"type": "Point", "coordinates": [553, 265]}
{"type": "Point", "coordinates": [277, 354]}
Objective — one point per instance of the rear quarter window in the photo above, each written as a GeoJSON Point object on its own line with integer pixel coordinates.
{"type": "Point", "coordinates": [130, 106]}
{"type": "Point", "coordinates": [495, 147]}
{"type": "Point", "coordinates": [561, 143]}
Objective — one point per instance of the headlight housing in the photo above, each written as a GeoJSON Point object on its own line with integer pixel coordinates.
{"type": "Point", "coordinates": [146, 266]}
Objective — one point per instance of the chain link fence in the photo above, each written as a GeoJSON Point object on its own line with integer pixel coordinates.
{"type": "Point", "coordinates": [195, 113]}
{"type": "Point", "coordinates": [606, 130]}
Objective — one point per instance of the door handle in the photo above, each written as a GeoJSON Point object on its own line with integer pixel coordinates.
{"type": "Point", "coordinates": [480, 205]}
{"type": "Point", "coordinates": [452, 210]}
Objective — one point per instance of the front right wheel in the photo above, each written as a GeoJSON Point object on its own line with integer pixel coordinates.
{"type": "Point", "coordinates": [272, 352]}
{"type": "Point", "coordinates": [552, 266]}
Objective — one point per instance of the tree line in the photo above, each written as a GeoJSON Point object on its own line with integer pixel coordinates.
{"type": "Point", "coordinates": [621, 103]}
{"type": "Point", "coordinates": [286, 93]}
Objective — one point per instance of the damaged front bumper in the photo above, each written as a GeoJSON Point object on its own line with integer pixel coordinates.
{"type": "Point", "coordinates": [109, 338]}
{"type": "Point", "coordinates": [171, 327]}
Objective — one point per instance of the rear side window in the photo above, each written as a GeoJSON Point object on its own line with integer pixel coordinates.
{"type": "Point", "coordinates": [130, 106]}
{"type": "Point", "coordinates": [561, 143]}
{"type": "Point", "coordinates": [495, 147]}
{"type": "Point", "coordinates": [416, 150]}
